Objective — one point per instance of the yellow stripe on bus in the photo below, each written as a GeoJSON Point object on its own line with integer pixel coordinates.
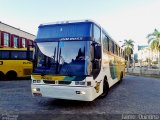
{"type": "Point", "coordinates": [47, 77]}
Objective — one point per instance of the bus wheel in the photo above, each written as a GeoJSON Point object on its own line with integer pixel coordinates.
{"type": "Point", "coordinates": [11, 75]}
{"type": "Point", "coordinates": [105, 88]}
{"type": "Point", "coordinates": [121, 77]}
{"type": "Point", "coordinates": [1, 75]}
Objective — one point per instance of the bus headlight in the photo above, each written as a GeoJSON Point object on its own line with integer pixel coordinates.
{"type": "Point", "coordinates": [35, 89]}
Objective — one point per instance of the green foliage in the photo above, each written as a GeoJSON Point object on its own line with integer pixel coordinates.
{"type": "Point", "coordinates": [129, 46]}
{"type": "Point", "coordinates": [154, 40]}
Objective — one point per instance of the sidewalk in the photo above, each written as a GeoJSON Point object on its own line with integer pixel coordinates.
{"type": "Point", "coordinates": [144, 71]}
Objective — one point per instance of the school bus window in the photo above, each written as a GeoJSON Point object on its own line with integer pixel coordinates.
{"type": "Point", "coordinates": [4, 54]}
{"type": "Point", "coordinates": [18, 55]}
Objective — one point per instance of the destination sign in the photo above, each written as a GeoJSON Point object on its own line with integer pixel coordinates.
{"type": "Point", "coordinates": [72, 38]}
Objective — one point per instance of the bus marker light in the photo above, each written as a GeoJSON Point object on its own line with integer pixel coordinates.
{"type": "Point", "coordinates": [80, 92]}
{"type": "Point", "coordinates": [82, 83]}
{"type": "Point", "coordinates": [79, 83]}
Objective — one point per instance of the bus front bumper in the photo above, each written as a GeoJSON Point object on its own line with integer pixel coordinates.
{"type": "Point", "coordinates": [64, 92]}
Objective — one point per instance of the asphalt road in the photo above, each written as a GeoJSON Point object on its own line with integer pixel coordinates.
{"type": "Point", "coordinates": [135, 95]}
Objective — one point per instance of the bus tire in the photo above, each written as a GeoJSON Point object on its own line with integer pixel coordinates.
{"type": "Point", "coordinates": [11, 75]}
{"type": "Point", "coordinates": [1, 75]}
{"type": "Point", "coordinates": [121, 77]}
{"type": "Point", "coordinates": [105, 88]}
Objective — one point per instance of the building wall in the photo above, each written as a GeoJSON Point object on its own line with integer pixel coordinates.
{"type": "Point", "coordinates": [147, 53]}
{"type": "Point", "coordinates": [15, 36]}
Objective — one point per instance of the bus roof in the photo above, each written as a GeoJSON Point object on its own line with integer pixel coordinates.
{"type": "Point", "coordinates": [67, 22]}
{"type": "Point", "coordinates": [77, 21]}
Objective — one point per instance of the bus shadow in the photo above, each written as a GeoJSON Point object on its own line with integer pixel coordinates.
{"type": "Point", "coordinates": [51, 104]}
{"type": "Point", "coordinates": [16, 79]}
{"type": "Point", "coordinates": [67, 103]}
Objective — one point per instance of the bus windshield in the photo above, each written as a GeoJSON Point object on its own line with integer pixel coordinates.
{"type": "Point", "coordinates": [63, 58]}
{"type": "Point", "coordinates": [66, 31]}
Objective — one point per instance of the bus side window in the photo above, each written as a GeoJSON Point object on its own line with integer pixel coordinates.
{"type": "Point", "coordinates": [4, 55]}
{"type": "Point", "coordinates": [97, 34]}
{"type": "Point", "coordinates": [115, 49]}
{"type": "Point", "coordinates": [105, 40]}
{"type": "Point", "coordinates": [18, 55]}
{"type": "Point", "coordinates": [14, 55]}
{"type": "Point", "coordinates": [111, 46]}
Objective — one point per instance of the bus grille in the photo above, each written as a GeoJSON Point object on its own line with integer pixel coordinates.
{"type": "Point", "coordinates": [27, 71]}
{"type": "Point", "coordinates": [57, 82]}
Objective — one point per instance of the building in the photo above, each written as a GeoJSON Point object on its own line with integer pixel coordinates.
{"type": "Point", "coordinates": [14, 37]}
{"type": "Point", "coordinates": [146, 56]}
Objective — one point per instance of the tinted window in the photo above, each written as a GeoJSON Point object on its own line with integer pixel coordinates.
{"type": "Point", "coordinates": [115, 49]}
{"type": "Point", "coordinates": [64, 30]}
{"type": "Point", "coordinates": [4, 54]}
{"type": "Point", "coordinates": [97, 34]}
{"type": "Point", "coordinates": [111, 46]}
{"type": "Point", "coordinates": [18, 55]}
{"type": "Point", "coordinates": [105, 42]}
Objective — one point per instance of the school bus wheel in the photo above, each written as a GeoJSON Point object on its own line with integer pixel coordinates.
{"type": "Point", "coordinates": [1, 75]}
{"type": "Point", "coordinates": [11, 75]}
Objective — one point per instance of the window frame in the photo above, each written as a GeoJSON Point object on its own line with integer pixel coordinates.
{"type": "Point", "coordinates": [5, 39]}
{"type": "Point", "coordinates": [15, 36]}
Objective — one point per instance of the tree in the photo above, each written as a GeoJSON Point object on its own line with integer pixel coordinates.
{"type": "Point", "coordinates": [154, 42]}
{"type": "Point", "coordinates": [128, 49]}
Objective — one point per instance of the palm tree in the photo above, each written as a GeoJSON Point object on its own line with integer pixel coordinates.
{"type": "Point", "coordinates": [154, 41]}
{"type": "Point", "coordinates": [128, 48]}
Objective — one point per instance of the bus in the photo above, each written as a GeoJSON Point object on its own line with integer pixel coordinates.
{"type": "Point", "coordinates": [14, 63]}
{"type": "Point", "coordinates": [75, 60]}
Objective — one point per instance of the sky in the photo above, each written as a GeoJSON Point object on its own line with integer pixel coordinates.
{"type": "Point", "coordinates": [122, 19]}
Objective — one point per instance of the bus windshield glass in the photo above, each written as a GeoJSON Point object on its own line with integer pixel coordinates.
{"type": "Point", "coordinates": [64, 32]}
{"type": "Point", "coordinates": [63, 58]}
{"type": "Point", "coordinates": [63, 49]}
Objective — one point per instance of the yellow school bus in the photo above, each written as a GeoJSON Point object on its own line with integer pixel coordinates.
{"type": "Point", "coordinates": [14, 63]}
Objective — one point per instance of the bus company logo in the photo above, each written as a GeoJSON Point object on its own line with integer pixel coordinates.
{"type": "Point", "coordinates": [97, 87]}
{"type": "Point", "coordinates": [1, 62]}
{"type": "Point", "coordinates": [72, 38]}
{"type": "Point", "coordinates": [26, 62]}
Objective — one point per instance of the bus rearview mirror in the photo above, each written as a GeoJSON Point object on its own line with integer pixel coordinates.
{"type": "Point", "coordinates": [98, 52]}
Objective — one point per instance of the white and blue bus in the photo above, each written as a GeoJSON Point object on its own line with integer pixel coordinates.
{"type": "Point", "coordinates": [75, 60]}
